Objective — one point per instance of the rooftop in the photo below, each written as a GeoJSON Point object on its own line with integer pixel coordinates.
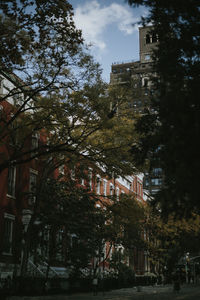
{"type": "Point", "coordinates": [124, 62]}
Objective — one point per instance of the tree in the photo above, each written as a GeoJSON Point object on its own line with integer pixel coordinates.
{"type": "Point", "coordinates": [128, 217]}
{"type": "Point", "coordinates": [66, 226]}
{"type": "Point", "coordinates": [126, 228]}
{"type": "Point", "coordinates": [171, 128]}
{"type": "Point", "coordinates": [168, 241]}
{"type": "Point", "coordinates": [29, 27]}
{"type": "Point", "coordinates": [57, 91]}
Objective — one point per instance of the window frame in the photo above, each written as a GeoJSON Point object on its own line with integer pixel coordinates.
{"type": "Point", "coordinates": [12, 185]}
{"type": "Point", "coordinates": [98, 184]}
{"type": "Point", "coordinates": [117, 193]}
{"type": "Point", "coordinates": [148, 38]}
{"type": "Point", "coordinates": [90, 178]}
{"type": "Point", "coordinates": [32, 198]}
{"type": "Point", "coordinates": [35, 144]}
{"type": "Point", "coordinates": [111, 189]}
{"type": "Point", "coordinates": [11, 218]}
{"type": "Point", "coordinates": [105, 187]}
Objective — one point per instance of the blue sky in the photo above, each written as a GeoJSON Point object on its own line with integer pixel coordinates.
{"type": "Point", "coordinates": [108, 26]}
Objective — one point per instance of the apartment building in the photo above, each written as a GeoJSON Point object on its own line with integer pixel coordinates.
{"type": "Point", "coordinates": [137, 77]}
{"type": "Point", "coordinates": [17, 191]}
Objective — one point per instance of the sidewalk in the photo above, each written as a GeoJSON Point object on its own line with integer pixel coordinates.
{"type": "Point", "coordinates": [124, 293]}
{"type": "Point", "coordinates": [188, 292]}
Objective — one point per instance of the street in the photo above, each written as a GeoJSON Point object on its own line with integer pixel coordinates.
{"type": "Point", "coordinates": [188, 292]}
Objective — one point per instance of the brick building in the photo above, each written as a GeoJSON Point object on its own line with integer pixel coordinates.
{"type": "Point", "coordinates": [17, 197]}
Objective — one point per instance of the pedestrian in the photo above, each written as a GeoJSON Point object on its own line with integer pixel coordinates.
{"type": "Point", "coordinates": [95, 285]}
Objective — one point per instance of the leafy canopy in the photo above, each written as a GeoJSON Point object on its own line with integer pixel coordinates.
{"type": "Point", "coordinates": [169, 241]}
{"type": "Point", "coordinates": [74, 222]}
{"type": "Point", "coordinates": [57, 89]}
{"type": "Point", "coordinates": [171, 128]}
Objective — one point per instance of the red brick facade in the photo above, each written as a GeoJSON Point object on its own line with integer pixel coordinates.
{"type": "Point", "coordinates": [16, 183]}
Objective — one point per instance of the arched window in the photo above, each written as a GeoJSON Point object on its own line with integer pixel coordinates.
{"type": "Point", "coordinates": [154, 37]}
{"type": "Point", "coordinates": [147, 39]}
{"type": "Point", "coordinates": [145, 81]}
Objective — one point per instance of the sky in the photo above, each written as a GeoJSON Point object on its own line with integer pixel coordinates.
{"type": "Point", "coordinates": [110, 27]}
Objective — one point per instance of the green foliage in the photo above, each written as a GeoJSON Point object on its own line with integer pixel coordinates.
{"type": "Point", "coordinates": [168, 241]}
{"type": "Point", "coordinates": [53, 65]}
{"type": "Point", "coordinates": [175, 110]}
{"type": "Point", "coordinates": [66, 102]}
{"type": "Point", "coordinates": [75, 225]}
{"type": "Point", "coordinates": [124, 274]}
{"type": "Point", "coordinates": [127, 222]}
{"type": "Point", "coordinates": [29, 27]}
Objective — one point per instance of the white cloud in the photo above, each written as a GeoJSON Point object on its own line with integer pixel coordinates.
{"type": "Point", "coordinates": [93, 19]}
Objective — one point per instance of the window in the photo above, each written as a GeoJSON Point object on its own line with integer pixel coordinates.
{"type": "Point", "coordinates": [157, 171]}
{"type": "Point", "coordinates": [8, 233]}
{"type": "Point", "coordinates": [154, 38]}
{"type": "Point", "coordinates": [105, 187]}
{"type": "Point", "coordinates": [46, 237]}
{"type": "Point", "coordinates": [59, 237]}
{"type": "Point", "coordinates": [14, 131]}
{"type": "Point", "coordinates": [144, 81]}
{"type": "Point", "coordinates": [156, 181]}
{"type": "Point", "coordinates": [98, 181]}
{"type": "Point", "coordinates": [148, 40]}
{"type": "Point", "coordinates": [11, 181]}
{"type": "Point", "coordinates": [117, 193]}
{"type": "Point", "coordinates": [59, 245]}
{"type": "Point", "coordinates": [32, 186]}
{"type": "Point", "coordinates": [111, 189]}
{"type": "Point", "coordinates": [34, 143]}
{"type": "Point", "coordinates": [114, 71]}
{"type": "Point", "coordinates": [90, 179]}
{"type": "Point", "coordinates": [147, 57]}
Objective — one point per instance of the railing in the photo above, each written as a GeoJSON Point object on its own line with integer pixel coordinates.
{"type": "Point", "coordinates": [124, 62]}
{"type": "Point", "coordinates": [41, 270]}
{"type": "Point", "coordinates": [34, 270]}
{"type": "Point", "coordinates": [51, 269]}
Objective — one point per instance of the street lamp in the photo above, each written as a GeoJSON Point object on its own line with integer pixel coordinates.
{"type": "Point", "coordinates": [186, 267]}
{"type": "Point", "coordinates": [146, 255]}
{"type": "Point", "coordinates": [26, 217]}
